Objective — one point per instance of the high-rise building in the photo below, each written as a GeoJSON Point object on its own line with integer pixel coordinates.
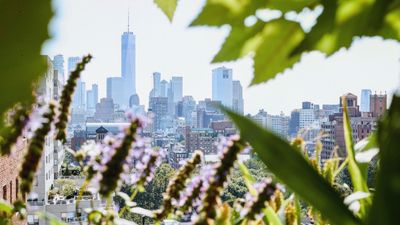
{"type": "Point", "coordinates": [134, 101]}
{"type": "Point", "coordinates": [79, 97]}
{"type": "Point", "coordinates": [306, 118]}
{"type": "Point", "coordinates": [365, 100]}
{"type": "Point", "coordinates": [79, 100]}
{"type": "Point", "coordinates": [222, 86]}
{"type": "Point", "coordinates": [159, 107]}
{"type": "Point", "coordinates": [58, 63]}
{"type": "Point", "coordinates": [279, 124]}
{"type": "Point", "coordinates": [115, 90]}
{"type": "Point", "coordinates": [72, 62]}
{"type": "Point", "coordinates": [164, 86]}
{"type": "Point", "coordinates": [307, 105]}
{"type": "Point", "coordinates": [294, 123]}
{"type": "Point", "coordinates": [378, 104]}
{"type": "Point", "coordinates": [156, 92]}
{"type": "Point", "coordinates": [92, 98]}
{"type": "Point", "coordinates": [176, 88]}
{"type": "Point", "coordinates": [237, 100]}
{"type": "Point", "coordinates": [53, 154]}
{"type": "Point", "coordinates": [188, 107]}
{"type": "Point", "coordinates": [361, 126]}
{"type": "Point", "coordinates": [105, 110]}
{"type": "Point", "coordinates": [128, 65]}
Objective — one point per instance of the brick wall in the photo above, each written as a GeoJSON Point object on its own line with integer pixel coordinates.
{"type": "Point", "coordinates": [9, 168]}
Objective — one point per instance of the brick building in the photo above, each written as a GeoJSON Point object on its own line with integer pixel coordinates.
{"type": "Point", "coordinates": [203, 139]}
{"type": "Point", "coordinates": [9, 175]}
{"type": "Point", "coordinates": [362, 125]}
{"type": "Point", "coordinates": [378, 104]}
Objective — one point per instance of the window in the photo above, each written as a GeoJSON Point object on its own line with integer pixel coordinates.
{"type": "Point", "coordinates": [5, 192]}
{"type": "Point", "coordinates": [11, 192]}
{"type": "Point", "coordinates": [16, 188]}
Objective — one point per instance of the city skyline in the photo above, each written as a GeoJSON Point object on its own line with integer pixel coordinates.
{"type": "Point", "coordinates": [157, 40]}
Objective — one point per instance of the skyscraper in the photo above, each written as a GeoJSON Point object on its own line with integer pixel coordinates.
{"type": "Point", "coordinates": [72, 62]}
{"type": "Point", "coordinates": [115, 90]}
{"type": "Point", "coordinates": [237, 101]}
{"type": "Point", "coordinates": [58, 63]}
{"type": "Point", "coordinates": [176, 88]}
{"type": "Point", "coordinates": [164, 86]}
{"type": "Point", "coordinates": [79, 98]}
{"type": "Point", "coordinates": [222, 86]}
{"type": "Point", "coordinates": [159, 107]}
{"type": "Point", "coordinates": [156, 91]}
{"type": "Point", "coordinates": [365, 100]}
{"type": "Point", "coordinates": [92, 98]}
{"type": "Point", "coordinates": [128, 65]}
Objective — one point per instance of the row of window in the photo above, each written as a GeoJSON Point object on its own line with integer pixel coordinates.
{"type": "Point", "coordinates": [10, 193]}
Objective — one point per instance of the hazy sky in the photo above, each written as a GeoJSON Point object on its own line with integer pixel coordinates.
{"type": "Point", "coordinates": [95, 26]}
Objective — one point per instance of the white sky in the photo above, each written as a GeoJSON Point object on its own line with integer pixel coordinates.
{"type": "Point", "coordinates": [95, 26]}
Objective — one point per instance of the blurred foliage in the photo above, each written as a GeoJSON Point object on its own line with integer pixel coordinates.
{"type": "Point", "coordinates": [386, 207]}
{"type": "Point", "coordinates": [23, 30]}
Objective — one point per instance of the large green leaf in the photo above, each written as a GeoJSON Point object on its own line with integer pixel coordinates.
{"type": "Point", "coordinates": [358, 172]}
{"type": "Point", "coordinates": [23, 30]}
{"type": "Point", "coordinates": [221, 12]}
{"type": "Point", "coordinates": [240, 42]}
{"type": "Point", "coordinates": [341, 21]}
{"type": "Point", "coordinates": [168, 7]}
{"type": "Point", "coordinates": [272, 43]}
{"type": "Point", "coordinates": [385, 209]}
{"type": "Point", "coordinates": [289, 165]}
{"type": "Point", "coordinates": [280, 37]}
{"type": "Point", "coordinates": [292, 5]}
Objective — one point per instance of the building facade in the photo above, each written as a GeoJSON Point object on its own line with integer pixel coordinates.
{"type": "Point", "coordinates": [237, 100]}
{"type": "Point", "coordinates": [222, 86]}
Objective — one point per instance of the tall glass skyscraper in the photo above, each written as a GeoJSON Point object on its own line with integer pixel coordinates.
{"type": "Point", "coordinates": [177, 88]}
{"type": "Point", "coordinates": [365, 100]}
{"type": "Point", "coordinates": [237, 94]}
{"type": "Point", "coordinates": [58, 62]}
{"type": "Point", "coordinates": [222, 86]}
{"type": "Point", "coordinates": [128, 65]}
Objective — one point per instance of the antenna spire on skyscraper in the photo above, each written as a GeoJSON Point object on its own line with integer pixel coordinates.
{"type": "Point", "coordinates": [128, 20]}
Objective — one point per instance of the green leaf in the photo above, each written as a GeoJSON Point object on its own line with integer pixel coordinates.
{"type": "Point", "coordinates": [168, 7]}
{"type": "Point", "coordinates": [292, 5]}
{"type": "Point", "coordinates": [358, 172]}
{"type": "Point", "coordinates": [280, 37]}
{"type": "Point", "coordinates": [289, 165]}
{"type": "Point", "coordinates": [341, 21]}
{"type": "Point", "coordinates": [221, 12]}
{"type": "Point", "coordinates": [271, 217]}
{"type": "Point", "coordinates": [385, 209]}
{"type": "Point", "coordinates": [23, 28]}
{"type": "Point", "coordinates": [391, 25]}
{"type": "Point", "coordinates": [5, 207]}
{"type": "Point", "coordinates": [325, 24]}
{"type": "Point", "coordinates": [240, 42]}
